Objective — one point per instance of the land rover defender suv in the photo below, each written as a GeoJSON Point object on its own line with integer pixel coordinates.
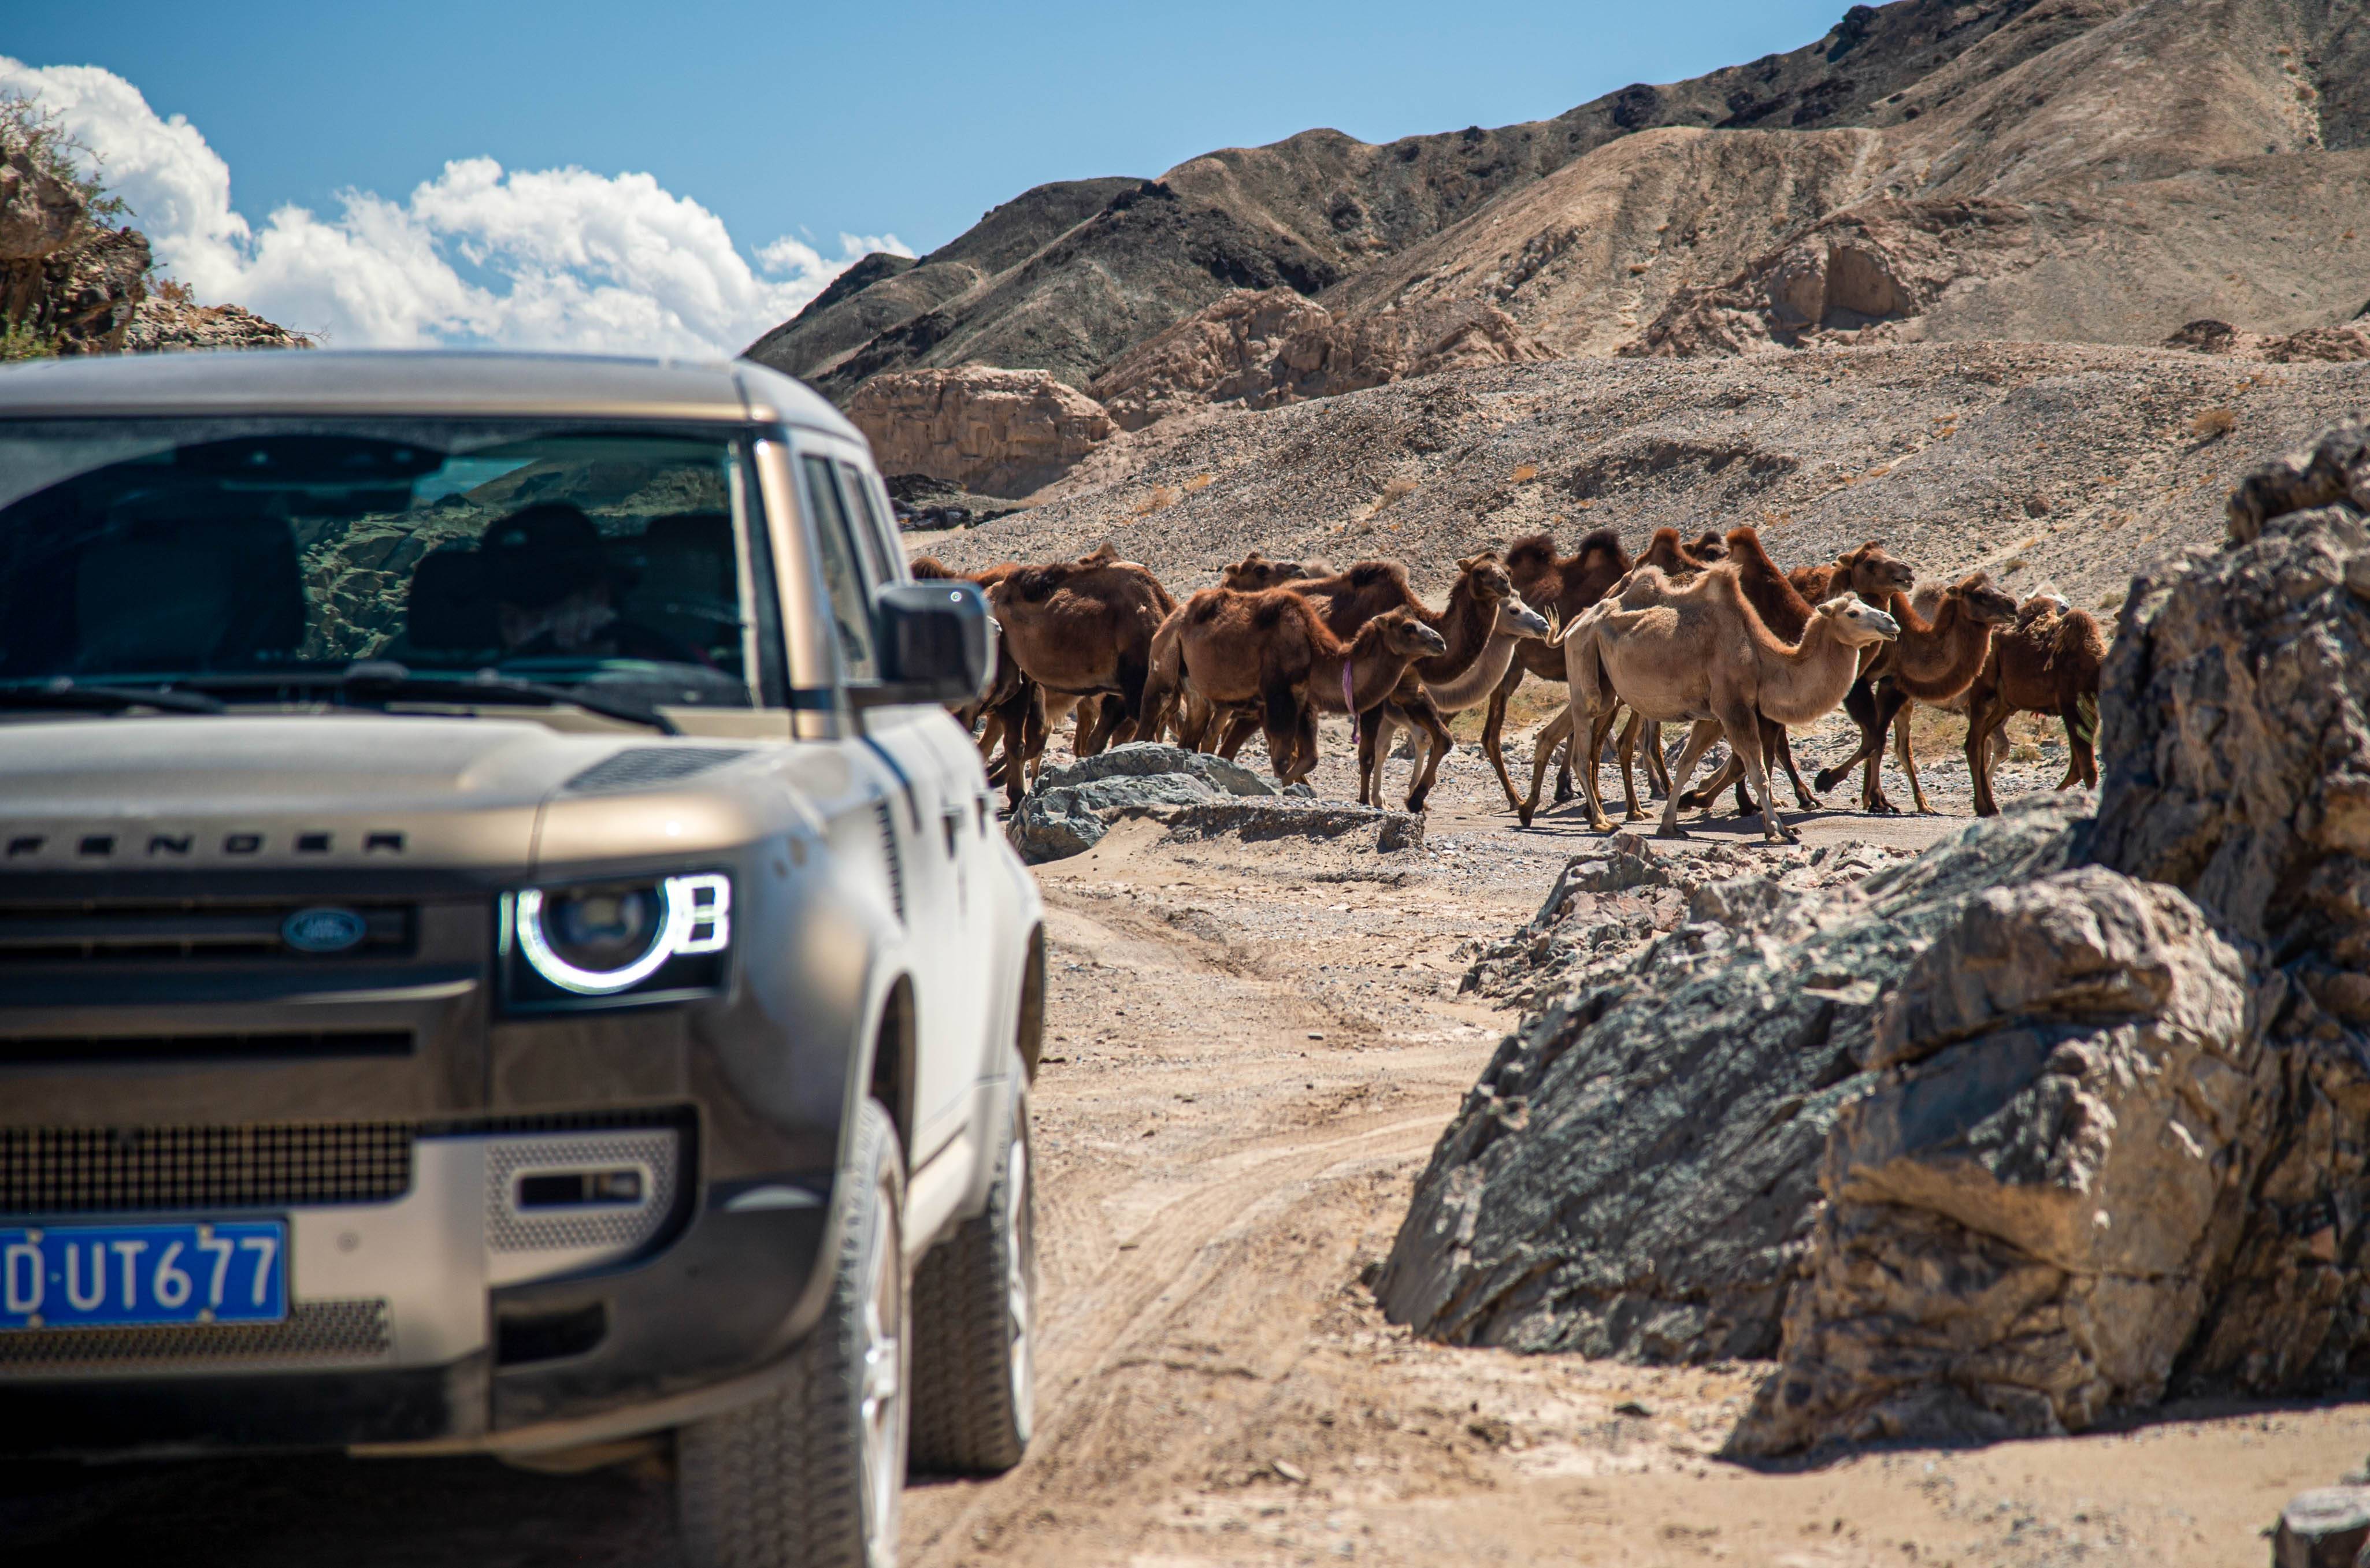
{"type": "Point", "coordinates": [502, 949]}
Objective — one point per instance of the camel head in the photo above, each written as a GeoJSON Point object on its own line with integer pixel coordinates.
{"type": "Point", "coordinates": [1987, 604]}
{"type": "Point", "coordinates": [1518, 619]}
{"type": "Point", "coordinates": [1875, 576]}
{"type": "Point", "coordinates": [1255, 573]}
{"type": "Point", "coordinates": [1490, 579]}
{"type": "Point", "coordinates": [1102, 554]}
{"type": "Point", "coordinates": [1854, 623]}
{"type": "Point", "coordinates": [1402, 633]}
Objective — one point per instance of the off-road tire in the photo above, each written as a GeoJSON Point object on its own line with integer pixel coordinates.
{"type": "Point", "coordinates": [974, 1316]}
{"type": "Point", "coordinates": [783, 1482]}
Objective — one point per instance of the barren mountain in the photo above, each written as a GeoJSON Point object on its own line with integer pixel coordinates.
{"type": "Point", "coordinates": [1068, 276]}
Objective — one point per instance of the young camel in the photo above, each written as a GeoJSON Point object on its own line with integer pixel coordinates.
{"type": "Point", "coordinates": [1875, 579]}
{"type": "Point", "coordinates": [2047, 663]}
{"type": "Point", "coordinates": [1700, 652]}
{"type": "Point", "coordinates": [1932, 661]}
{"type": "Point", "coordinates": [1253, 574]}
{"type": "Point", "coordinates": [1273, 649]}
{"type": "Point", "coordinates": [1517, 625]}
{"type": "Point", "coordinates": [1926, 601]}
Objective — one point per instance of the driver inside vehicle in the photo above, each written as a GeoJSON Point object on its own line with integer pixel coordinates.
{"type": "Point", "coordinates": [555, 590]}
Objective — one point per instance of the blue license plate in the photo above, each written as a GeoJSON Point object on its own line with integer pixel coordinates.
{"type": "Point", "coordinates": [98, 1276]}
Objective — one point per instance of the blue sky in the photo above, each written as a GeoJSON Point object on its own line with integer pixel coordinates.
{"type": "Point", "coordinates": [910, 118]}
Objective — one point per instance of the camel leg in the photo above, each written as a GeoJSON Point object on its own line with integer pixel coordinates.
{"type": "Point", "coordinates": [1776, 737]}
{"type": "Point", "coordinates": [1239, 730]}
{"type": "Point", "coordinates": [1600, 727]}
{"type": "Point", "coordinates": [1304, 744]}
{"type": "Point", "coordinates": [2081, 752]}
{"type": "Point", "coordinates": [1981, 721]}
{"type": "Point", "coordinates": [1014, 714]}
{"type": "Point", "coordinates": [1890, 702]}
{"type": "Point", "coordinates": [1860, 702]}
{"type": "Point", "coordinates": [1593, 736]}
{"type": "Point", "coordinates": [1699, 740]}
{"type": "Point", "coordinates": [1731, 773]}
{"type": "Point", "coordinates": [1903, 754]}
{"type": "Point", "coordinates": [1552, 735]}
{"type": "Point", "coordinates": [1629, 745]}
{"type": "Point", "coordinates": [1563, 777]}
{"type": "Point", "coordinates": [1754, 754]}
{"type": "Point", "coordinates": [1493, 734]}
{"type": "Point", "coordinates": [1658, 768]}
{"type": "Point", "coordinates": [1438, 744]}
{"type": "Point", "coordinates": [1375, 731]}
{"type": "Point", "coordinates": [1280, 721]}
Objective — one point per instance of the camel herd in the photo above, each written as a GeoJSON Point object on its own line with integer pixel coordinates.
{"type": "Point", "coordinates": [1713, 634]}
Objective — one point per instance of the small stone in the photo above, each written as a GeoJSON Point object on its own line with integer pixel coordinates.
{"type": "Point", "coordinates": [1632, 1407]}
{"type": "Point", "coordinates": [2322, 1528]}
{"type": "Point", "coordinates": [1289, 1471]}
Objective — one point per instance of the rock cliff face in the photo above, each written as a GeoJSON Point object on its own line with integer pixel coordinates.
{"type": "Point", "coordinates": [996, 432]}
{"type": "Point", "coordinates": [2067, 1116]}
{"type": "Point", "coordinates": [1262, 348]}
{"type": "Point", "coordinates": [71, 285]}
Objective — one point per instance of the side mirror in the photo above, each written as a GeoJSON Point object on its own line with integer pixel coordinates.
{"type": "Point", "coordinates": [936, 641]}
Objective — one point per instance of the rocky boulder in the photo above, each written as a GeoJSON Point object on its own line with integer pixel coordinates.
{"type": "Point", "coordinates": [2337, 345]}
{"type": "Point", "coordinates": [1141, 758]}
{"type": "Point", "coordinates": [168, 322]}
{"type": "Point", "coordinates": [993, 431]}
{"type": "Point", "coordinates": [1636, 1172]}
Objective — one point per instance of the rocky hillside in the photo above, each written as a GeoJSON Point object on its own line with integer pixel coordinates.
{"type": "Point", "coordinates": [2098, 171]}
{"type": "Point", "coordinates": [72, 283]}
{"type": "Point", "coordinates": [2062, 465]}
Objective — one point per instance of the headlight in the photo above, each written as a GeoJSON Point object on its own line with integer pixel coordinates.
{"type": "Point", "coordinates": [640, 940]}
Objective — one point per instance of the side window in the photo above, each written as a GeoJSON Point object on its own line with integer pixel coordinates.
{"type": "Point", "coordinates": [851, 606]}
{"type": "Point", "coordinates": [870, 527]}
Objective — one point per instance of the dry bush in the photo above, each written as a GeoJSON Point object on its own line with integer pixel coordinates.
{"type": "Point", "coordinates": [1199, 481]}
{"type": "Point", "coordinates": [1163, 496]}
{"type": "Point", "coordinates": [1397, 488]}
{"type": "Point", "coordinates": [1525, 471]}
{"type": "Point", "coordinates": [2211, 423]}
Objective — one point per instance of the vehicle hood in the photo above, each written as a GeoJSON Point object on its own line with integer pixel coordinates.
{"type": "Point", "coordinates": [313, 790]}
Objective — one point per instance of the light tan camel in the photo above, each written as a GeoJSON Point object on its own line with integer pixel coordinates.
{"type": "Point", "coordinates": [1697, 651]}
{"type": "Point", "coordinates": [1875, 576]}
{"type": "Point", "coordinates": [1937, 658]}
{"type": "Point", "coordinates": [1272, 650]}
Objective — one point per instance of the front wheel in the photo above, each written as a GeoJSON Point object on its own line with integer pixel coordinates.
{"type": "Point", "coordinates": [974, 1323]}
{"type": "Point", "coordinates": [812, 1475]}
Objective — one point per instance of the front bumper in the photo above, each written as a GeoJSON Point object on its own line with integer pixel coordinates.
{"type": "Point", "coordinates": [450, 1317]}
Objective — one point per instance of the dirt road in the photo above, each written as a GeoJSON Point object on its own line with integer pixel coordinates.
{"type": "Point", "coordinates": [1252, 1049]}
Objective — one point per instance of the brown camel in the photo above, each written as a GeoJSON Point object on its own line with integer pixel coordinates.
{"type": "Point", "coordinates": [1347, 601]}
{"type": "Point", "coordinates": [1875, 577]}
{"type": "Point", "coordinates": [1081, 628]}
{"type": "Point", "coordinates": [1255, 573]}
{"type": "Point", "coordinates": [1867, 570]}
{"type": "Point", "coordinates": [1560, 588]}
{"type": "Point", "coordinates": [1932, 661]}
{"type": "Point", "coordinates": [1698, 651]}
{"type": "Point", "coordinates": [2046, 663]}
{"type": "Point", "coordinates": [1486, 622]}
{"type": "Point", "coordinates": [1273, 648]}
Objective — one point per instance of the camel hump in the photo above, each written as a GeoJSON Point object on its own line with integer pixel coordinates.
{"type": "Point", "coordinates": [1602, 542]}
{"type": "Point", "coordinates": [929, 566]}
{"type": "Point", "coordinates": [1532, 550]}
{"type": "Point", "coordinates": [1102, 554]}
{"type": "Point", "coordinates": [1372, 574]}
{"type": "Point", "coordinates": [1270, 613]}
{"type": "Point", "coordinates": [1203, 607]}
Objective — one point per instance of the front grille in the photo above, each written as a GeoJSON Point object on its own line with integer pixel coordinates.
{"type": "Point", "coordinates": [78, 1049]}
{"type": "Point", "coordinates": [137, 931]}
{"type": "Point", "coordinates": [315, 1334]}
{"type": "Point", "coordinates": [113, 1170]}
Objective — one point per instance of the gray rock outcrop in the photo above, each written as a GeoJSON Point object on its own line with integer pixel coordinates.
{"type": "Point", "coordinates": [1140, 758]}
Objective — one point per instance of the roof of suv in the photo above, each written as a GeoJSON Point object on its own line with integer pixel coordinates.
{"type": "Point", "coordinates": [434, 383]}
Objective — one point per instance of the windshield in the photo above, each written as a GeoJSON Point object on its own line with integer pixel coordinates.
{"type": "Point", "coordinates": [163, 553]}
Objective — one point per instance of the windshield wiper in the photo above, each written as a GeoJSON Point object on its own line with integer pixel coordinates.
{"type": "Point", "coordinates": [74, 695]}
{"type": "Point", "coordinates": [384, 680]}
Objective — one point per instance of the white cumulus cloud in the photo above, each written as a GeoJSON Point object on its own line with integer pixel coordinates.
{"type": "Point", "coordinates": [542, 258]}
